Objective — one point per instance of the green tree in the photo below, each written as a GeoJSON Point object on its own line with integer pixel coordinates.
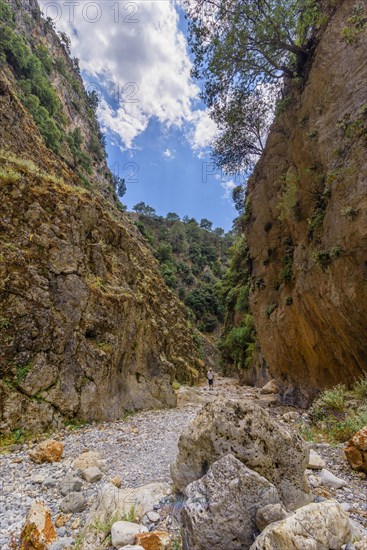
{"type": "Point", "coordinates": [172, 217]}
{"type": "Point", "coordinates": [144, 209]}
{"type": "Point", "coordinates": [164, 252]}
{"type": "Point", "coordinates": [206, 224]}
{"type": "Point", "coordinates": [119, 185]}
{"type": "Point", "coordinates": [240, 49]}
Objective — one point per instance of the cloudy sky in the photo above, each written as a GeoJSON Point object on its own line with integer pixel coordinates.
{"type": "Point", "coordinates": [135, 55]}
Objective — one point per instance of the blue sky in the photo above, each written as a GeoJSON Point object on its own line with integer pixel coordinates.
{"type": "Point", "coordinates": [135, 55]}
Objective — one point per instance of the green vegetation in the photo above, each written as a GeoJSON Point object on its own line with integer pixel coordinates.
{"type": "Point", "coordinates": [356, 24]}
{"type": "Point", "coordinates": [15, 437]}
{"type": "Point", "coordinates": [22, 373]}
{"type": "Point", "coordinates": [337, 414]}
{"type": "Point", "coordinates": [32, 71]}
{"type": "Point", "coordinates": [289, 199]}
{"type": "Point", "coordinates": [192, 258]}
{"type": "Point", "coordinates": [324, 257]}
{"type": "Point", "coordinates": [286, 273]}
{"type": "Point", "coordinates": [4, 323]}
{"type": "Point", "coordinates": [237, 341]}
{"type": "Point", "coordinates": [242, 50]}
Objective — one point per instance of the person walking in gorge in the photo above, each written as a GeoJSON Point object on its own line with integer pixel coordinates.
{"type": "Point", "coordinates": [210, 379]}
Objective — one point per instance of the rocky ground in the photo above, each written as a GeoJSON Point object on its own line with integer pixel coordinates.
{"type": "Point", "coordinates": [139, 450]}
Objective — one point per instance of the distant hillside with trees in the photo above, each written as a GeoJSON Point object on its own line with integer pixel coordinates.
{"type": "Point", "coordinates": [193, 258]}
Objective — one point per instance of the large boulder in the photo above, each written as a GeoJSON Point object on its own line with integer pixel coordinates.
{"type": "Point", "coordinates": [38, 531]}
{"type": "Point", "coordinates": [220, 511]}
{"type": "Point", "coordinates": [318, 526]}
{"type": "Point", "coordinates": [247, 431]}
{"type": "Point", "coordinates": [356, 452]}
{"type": "Point", "coordinates": [47, 451]}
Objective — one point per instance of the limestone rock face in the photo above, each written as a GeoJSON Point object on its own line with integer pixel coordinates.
{"type": "Point", "coordinates": [356, 451]}
{"type": "Point", "coordinates": [321, 526]}
{"type": "Point", "coordinates": [247, 431]}
{"type": "Point", "coordinates": [38, 532]}
{"type": "Point", "coordinates": [221, 507]}
{"type": "Point", "coordinates": [47, 451]}
{"type": "Point", "coordinates": [89, 327]}
{"type": "Point", "coordinates": [306, 224]}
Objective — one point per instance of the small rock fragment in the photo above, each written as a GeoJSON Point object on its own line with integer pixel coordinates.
{"type": "Point", "coordinates": [356, 452]}
{"type": "Point", "coordinates": [270, 387]}
{"type": "Point", "coordinates": [70, 484]}
{"type": "Point", "coordinates": [47, 451]}
{"type": "Point", "coordinates": [92, 474]}
{"type": "Point", "coordinates": [328, 479]}
{"type": "Point", "coordinates": [124, 532]}
{"type": "Point", "coordinates": [73, 503]}
{"type": "Point", "coordinates": [154, 517]}
{"type": "Point", "coordinates": [155, 540]}
{"type": "Point", "coordinates": [117, 481]}
{"type": "Point", "coordinates": [62, 520]}
{"type": "Point", "coordinates": [38, 531]}
{"type": "Point", "coordinates": [315, 461]}
{"type": "Point", "coordinates": [86, 460]}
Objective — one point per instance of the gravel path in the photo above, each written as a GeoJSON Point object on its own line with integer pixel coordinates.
{"type": "Point", "coordinates": [138, 449]}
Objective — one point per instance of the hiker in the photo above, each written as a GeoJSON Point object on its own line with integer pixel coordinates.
{"type": "Point", "coordinates": [210, 378]}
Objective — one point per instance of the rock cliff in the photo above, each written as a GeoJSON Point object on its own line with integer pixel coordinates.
{"type": "Point", "coordinates": [88, 327]}
{"type": "Point", "coordinates": [306, 213]}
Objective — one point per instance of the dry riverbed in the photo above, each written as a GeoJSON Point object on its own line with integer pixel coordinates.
{"type": "Point", "coordinates": [139, 449]}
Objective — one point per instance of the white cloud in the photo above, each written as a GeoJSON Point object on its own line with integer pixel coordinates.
{"type": "Point", "coordinates": [141, 58]}
{"type": "Point", "coordinates": [202, 132]}
{"type": "Point", "coordinates": [228, 187]}
{"type": "Point", "coordinates": [169, 154]}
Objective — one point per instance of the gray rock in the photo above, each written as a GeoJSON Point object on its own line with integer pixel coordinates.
{"type": "Point", "coordinates": [124, 532]}
{"type": "Point", "coordinates": [37, 479]}
{"type": "Point", "coordinates": [49, 482]}
{"type": "Point", "coordinates": [92, 474]}
{"type": "Point", "coordinates": [73, 503]}
{"type": "Point", "coordinates": [322, 526]}
{"type": "Point", "coordinates": [132, 547]}
{"type": "Point", "coordinates": [221, 507]}
{"type": "Point", "coordinates": [154, 517]}
{"type": "Point", "coordinates": [70, 484]}
{"type": "Point", "coordinates": [329, 480]}
{"type": "Point", "coordinates": [247, 431]}
{"type": "Point", "coordinates": [315, 461]}
{"type": "Point", "coordinates": [269, 514]}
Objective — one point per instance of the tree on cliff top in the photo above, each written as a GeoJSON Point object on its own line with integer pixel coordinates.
{"type": "Point", "coordinates": [241, 48]}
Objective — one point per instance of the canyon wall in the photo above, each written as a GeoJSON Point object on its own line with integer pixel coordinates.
{"type": "Point", "coordinates": [306, 212]}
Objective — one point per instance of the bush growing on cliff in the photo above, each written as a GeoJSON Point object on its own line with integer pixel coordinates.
{"type": "Point", "coordinates": [37, 92]}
